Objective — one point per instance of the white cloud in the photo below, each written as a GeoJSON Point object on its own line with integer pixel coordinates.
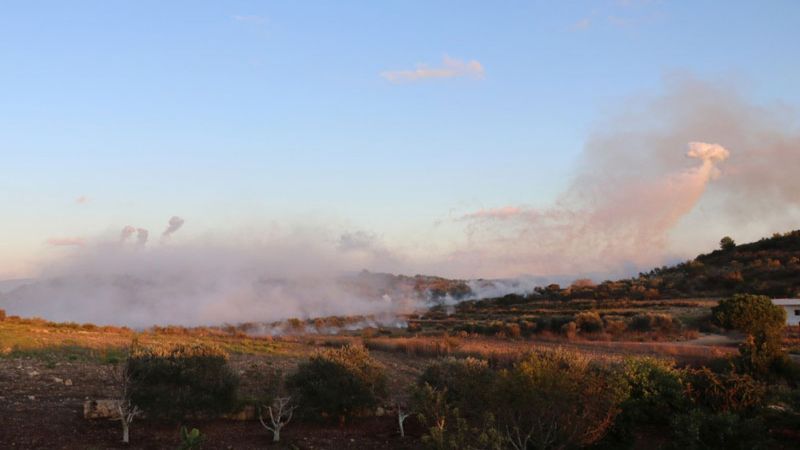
{"type": "Point", "coordinates": [450, 68]}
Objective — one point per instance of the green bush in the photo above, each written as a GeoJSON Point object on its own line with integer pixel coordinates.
{"type": "Point", "coordinates": [338, 383]}
{"type": "Point", "coordinates": [645, 322]}
{"type": "Point", "coordinates": [557, 399]}
{"type": "Point", "coordinates": [589, 322]}
{"type": "Point", "coordinates": [751, 314]}
{"type": "Point", "coordinates": [763, 322]}
{"type": "Point", "coordinates": [447, 429]}
{"type": "Point", "coordinates": [701, 430]}
{"type": "Point", "coordinates": [466, 383]}
{"type": "Point", "coordinates": [181, 381]}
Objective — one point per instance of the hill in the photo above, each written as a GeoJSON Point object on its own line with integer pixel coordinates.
{"type": "Point", "coordinates": [770, 266]}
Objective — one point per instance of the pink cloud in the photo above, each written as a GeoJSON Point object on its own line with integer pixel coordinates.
{"type": "Point", "coordinates": [66, 241]}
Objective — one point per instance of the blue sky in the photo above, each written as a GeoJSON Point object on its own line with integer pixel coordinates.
{"type": "Point", "coordinates": [237, 113]}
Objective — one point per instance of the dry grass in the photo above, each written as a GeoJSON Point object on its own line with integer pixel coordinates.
{"type": "Point", "coordinates": [501, 351]}
{"type": "Point", "coordinates": [19, 337]}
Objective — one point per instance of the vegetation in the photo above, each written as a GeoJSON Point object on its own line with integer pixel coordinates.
{"type": "Point", "coordinates": [338, 383]}
{"type": "Point", "coordinates": [181, 381]}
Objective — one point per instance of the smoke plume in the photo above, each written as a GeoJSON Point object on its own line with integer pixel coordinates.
{"type": "Point", "coordinates": [639, 198]}
{"type": "Point", "coordinates": [175, 223]}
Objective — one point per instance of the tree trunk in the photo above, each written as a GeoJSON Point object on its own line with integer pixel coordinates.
{"type": "Point", "coordinates": [276, 435]}
{"type": "Point", "coordinates": [125, 429]}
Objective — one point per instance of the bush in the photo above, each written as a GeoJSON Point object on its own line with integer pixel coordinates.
{"type": "Point", "coordinates": [556, 399]}
{"type": "Point", "coordinates": [338, 383]}
{"type": "Point", "coordinates": [701, 430]}
{"type": "Point", "coordinates": [763, 322]}
{"type": "Point", "coordinates": [447, 429]}
{"type": "Point", "coordinates": [728, 392]}
{"type": "Point", "coordinates": [751, 314]}
{"type": "Point", "coordinates": [589, 322]}
{"type": "Point", "coordinates": [181, 381]}
{"type": "Point", "coordinates": [466, 383]}
{"type": "Point", "coordinates": [662, 322]}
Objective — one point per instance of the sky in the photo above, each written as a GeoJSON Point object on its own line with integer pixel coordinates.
{"type": "Point", "coordinates": [409, 131]}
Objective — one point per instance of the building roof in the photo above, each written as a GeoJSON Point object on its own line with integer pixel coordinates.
{"type": "Point", "coordinates": [786, 301]}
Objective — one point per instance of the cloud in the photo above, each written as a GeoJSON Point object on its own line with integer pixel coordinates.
{"type": "Point", "coordinates": [450, 68]}
{"type": "Point", "coordinates": [639, 183]}
{"type": "Point", "coordinates": [505, 212]}
{"type": "Point", "coordinates": [82, 200]}
{"type": "Point", "coordinates": [250, 19]}
{"type": "Point", "coordinates": [65, 241]}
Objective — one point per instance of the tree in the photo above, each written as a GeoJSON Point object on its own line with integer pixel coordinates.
{"type": "Point", "coordinates": [727, 243]}
{"type": "Point", "coordinates": [126, 410]}
{"type": "Point", "coordinates": [762, 321]}
{"type": "Point", "coordinates": [277, 403]}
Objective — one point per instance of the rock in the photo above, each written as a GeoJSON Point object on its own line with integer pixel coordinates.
{"type": "Point", "coordinates": [380, 412]}
{"type": "Point", "coordinates": [33, 373]}
{"type": "Point", "coordinates": [100, 409]}
{"type": "Point", "coordinates": [247, 413]}
{"type": "Point", "coordinates": [67, 382]}
{"type": "Point", "coordinates": [31, 397]}
{"type": "Point", "coordinates": [57, 380]}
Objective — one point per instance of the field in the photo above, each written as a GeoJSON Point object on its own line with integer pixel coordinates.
{"type": "Point", "coordinates": [48, 370]}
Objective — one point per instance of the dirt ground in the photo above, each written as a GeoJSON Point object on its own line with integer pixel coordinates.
{"type": "Point", "coordinates": [41, 407]}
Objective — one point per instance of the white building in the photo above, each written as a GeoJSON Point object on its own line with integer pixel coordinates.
{"type": "Point", "coordinates": [792, 307]}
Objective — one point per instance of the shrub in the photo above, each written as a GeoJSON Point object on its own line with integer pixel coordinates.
{"type": "Point", "coordinates": [615, 327]}
{"type": "Point", "coordinates": [179, 381]}
{"type": "Point", "coordinates": [447, 429]}
{"type": "Point", "coordinates": [466, 383]}
{"type": "Point", "coordinates": [751, 314]}
{"type": "Point", "coordinates": [338, 383]}
{"type": "Point", "coordinates": [763, 322]}
{"type": "Point", "coordinates": [2, 315]}
{"type": "Point", "coordinates": [728, 392]}
{"type": "Point", "coordinates": [645, 322]}
{"type": "Point", "coordinates": [556, 399]}
{"type": "Point", "coordinates": [589, 322]}
{"type": "Point", "coordinates": [701, 430]}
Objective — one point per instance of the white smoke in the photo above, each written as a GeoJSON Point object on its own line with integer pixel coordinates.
{"type": "Point", "coordinates": [126, 232]}
{"type": "Point", "coordinates": [206, 283]}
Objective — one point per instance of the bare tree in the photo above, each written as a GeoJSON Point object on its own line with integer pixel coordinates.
{"type": "Point", "coordinates": [279, 417]}
{"type": "Point", "coordinates": [126, 411]}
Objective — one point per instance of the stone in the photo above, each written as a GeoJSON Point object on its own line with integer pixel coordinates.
{"type": "Point", "coordinates": [67, 382]}
{"type": "Point", "coordinates": [100, 409]}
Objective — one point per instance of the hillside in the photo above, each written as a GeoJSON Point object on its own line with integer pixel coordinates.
{"type": "Point", "coordinates": [770, 266]}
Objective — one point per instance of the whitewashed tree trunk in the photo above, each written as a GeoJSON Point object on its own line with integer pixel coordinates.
{"type": "Point", "coordinates": [401, 417]}
{"type": "Point", "coordinates": [125, 432]}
